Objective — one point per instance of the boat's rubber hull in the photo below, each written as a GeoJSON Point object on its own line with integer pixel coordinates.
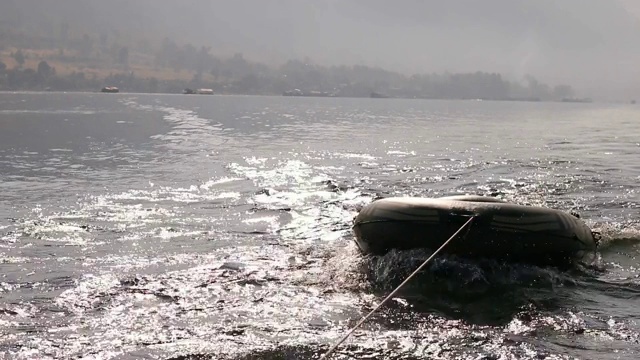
{"type": "Point", "coordinates": [500, 230]}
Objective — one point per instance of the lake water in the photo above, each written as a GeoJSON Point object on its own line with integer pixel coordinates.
{"type": "Point", "coordinates": [219, 227]}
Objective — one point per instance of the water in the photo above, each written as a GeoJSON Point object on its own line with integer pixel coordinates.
{"type": "Point", "coordinates": [218, 227]}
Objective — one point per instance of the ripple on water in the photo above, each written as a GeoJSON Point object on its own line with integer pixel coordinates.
{"type": "Point", "coordinates": [258, 262]}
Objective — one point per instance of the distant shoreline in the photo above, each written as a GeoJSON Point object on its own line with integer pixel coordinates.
{"type": "Point", "coordinates": [98, 92]}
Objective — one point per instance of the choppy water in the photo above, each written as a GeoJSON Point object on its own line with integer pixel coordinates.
{"type": "Point", "coordinates": [195, 227]}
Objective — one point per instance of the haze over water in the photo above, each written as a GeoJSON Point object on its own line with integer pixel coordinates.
{"type": "Point", "coordinates": [591, 45]}
{"type": "Point", "coordinates": [168, 226]}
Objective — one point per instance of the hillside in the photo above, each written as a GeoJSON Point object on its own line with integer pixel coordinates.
{"type": "Point", "coordinates": [591, 44]}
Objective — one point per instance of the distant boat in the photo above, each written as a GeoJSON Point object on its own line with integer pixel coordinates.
{"type": "Point", "coordinates": [204, 91]}
{"type": "Point", "coordinates": [198, 91]}
{"type": "Point", "coordinates": [110, 89]}
{"type": "Point", "coordinates": [633, 102]}
{"type": "Point", "coordinates": [294, 92]}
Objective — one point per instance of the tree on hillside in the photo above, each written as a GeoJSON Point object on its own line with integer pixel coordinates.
{"type": "Point", "coordinates": [18, 56]}
{"type": "Point", "coordinates": [537, 89]}
{"type": "Point", "coordinates": [3, 67]}
{"type": "Point", "coordinates": [237, 66]}
{"type": "Point", "coordinates": [45, 70]}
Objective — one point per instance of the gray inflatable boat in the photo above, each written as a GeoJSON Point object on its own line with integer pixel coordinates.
{"type": "Point", "coordinates": [499, 230]}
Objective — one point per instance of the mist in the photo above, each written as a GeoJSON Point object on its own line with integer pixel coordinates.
{"type": "Point", "coordinates": [593, 45]}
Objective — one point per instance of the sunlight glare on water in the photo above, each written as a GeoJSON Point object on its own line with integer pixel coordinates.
{"type": "Point", "coordinates": [175, 227]}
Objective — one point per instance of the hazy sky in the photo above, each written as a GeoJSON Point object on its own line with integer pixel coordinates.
{"type": "Point", "coordinates": [591, 44]}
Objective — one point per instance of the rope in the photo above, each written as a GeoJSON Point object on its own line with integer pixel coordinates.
{"type": "Point", "coordinates": [366, 317]}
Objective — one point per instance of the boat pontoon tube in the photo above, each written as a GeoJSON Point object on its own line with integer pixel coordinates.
{"type": "Point", "coordinates": [500, 230]}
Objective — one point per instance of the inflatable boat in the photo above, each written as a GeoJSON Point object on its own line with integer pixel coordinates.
{"type": "Point", "coordinates": [499, 230]}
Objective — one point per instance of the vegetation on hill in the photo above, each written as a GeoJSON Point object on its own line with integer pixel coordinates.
{"type": "Point", "coordinates": [64, 60]}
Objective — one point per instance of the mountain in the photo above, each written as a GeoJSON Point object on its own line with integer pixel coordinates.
{"type": "Point", "coordinates": [592, 44]}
